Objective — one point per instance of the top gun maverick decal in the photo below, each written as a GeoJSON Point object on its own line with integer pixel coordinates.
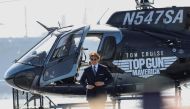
{"type": "Point", "coordinates": [145, 66]}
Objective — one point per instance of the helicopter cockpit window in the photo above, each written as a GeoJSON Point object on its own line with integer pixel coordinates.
{"type": "Point", "coordinates": [108, 48]}
{"type": "Point", "coordinates": [61, 49]}
{"type": "Point", "coordinates": [67, 45]}
{"type": "Point", "coordinates": [38, 54]}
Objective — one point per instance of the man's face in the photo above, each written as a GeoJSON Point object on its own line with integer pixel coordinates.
{"type": "Point", "coordinates": [94, 60]}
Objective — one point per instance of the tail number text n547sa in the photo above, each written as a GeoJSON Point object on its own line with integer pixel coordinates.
{"type": "Point", "coordinates": [154, 17]}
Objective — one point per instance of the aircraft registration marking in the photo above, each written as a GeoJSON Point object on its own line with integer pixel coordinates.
{"type": "Point", "coordinates": [170, 16]}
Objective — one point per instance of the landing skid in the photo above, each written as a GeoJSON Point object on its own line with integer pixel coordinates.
{"type": "Point", "coordinates": [25, 100]}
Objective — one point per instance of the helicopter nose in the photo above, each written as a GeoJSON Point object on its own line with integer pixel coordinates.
{"type": "Point", "coordinates": [10, 81]}
{"type": "Point", "coordinates": [20, 76]}
{"type": "Point", "coordinates": [9, 76]}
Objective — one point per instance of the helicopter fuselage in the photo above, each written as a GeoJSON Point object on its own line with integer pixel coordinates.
{"type": "Point", "coordinates": [146, 50]}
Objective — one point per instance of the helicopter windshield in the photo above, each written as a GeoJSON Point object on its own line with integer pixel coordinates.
{"type": "Point", "coordinates": [68, 42]}
{"type": "Point", "coordinates": [38, 54]}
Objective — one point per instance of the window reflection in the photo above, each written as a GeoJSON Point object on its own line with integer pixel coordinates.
{"type": "Point", "coordinates": [67, 45]}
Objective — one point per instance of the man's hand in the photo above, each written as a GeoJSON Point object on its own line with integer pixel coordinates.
{"type": "Point", "coordinates": [90, 86]}
{"type": "Point", "coordinates": [99, 83]}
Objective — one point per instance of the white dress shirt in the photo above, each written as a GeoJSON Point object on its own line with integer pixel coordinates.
{"type": "Point", "coordinates": [96, 67]}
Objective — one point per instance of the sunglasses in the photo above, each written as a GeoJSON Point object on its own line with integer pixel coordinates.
{"type": "Point", "coordinates": [93, 59]}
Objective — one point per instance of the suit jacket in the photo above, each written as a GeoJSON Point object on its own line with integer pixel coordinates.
{"type": "Point", "coordinates": [88, 77]}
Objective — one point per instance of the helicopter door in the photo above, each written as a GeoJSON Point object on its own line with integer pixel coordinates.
{"type": "Point", "coordinates": [107, 48]}
{"type": "Point", "coordinates": [64, 58]}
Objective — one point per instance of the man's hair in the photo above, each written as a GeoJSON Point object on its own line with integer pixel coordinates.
{"type": "Point", "coordinates": [94, 54]}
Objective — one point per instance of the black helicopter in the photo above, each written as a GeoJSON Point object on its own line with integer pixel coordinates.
{"type": "Point", "coordinates": [147, 49]}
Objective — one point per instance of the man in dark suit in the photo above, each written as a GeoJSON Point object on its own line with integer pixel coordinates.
{"type": "Point", "coordinates": [94, 79]}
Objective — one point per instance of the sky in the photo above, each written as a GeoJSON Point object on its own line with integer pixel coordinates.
{"type": "Point", "coordinates": [67, 12]}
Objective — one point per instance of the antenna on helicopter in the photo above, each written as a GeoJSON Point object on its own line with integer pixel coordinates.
{"type": "Point", "coordinates": [102, 16]}
{"type": "Point", "coordinates": [144, 4]}
{"type": "Point", "coordinates": [59, 24]}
